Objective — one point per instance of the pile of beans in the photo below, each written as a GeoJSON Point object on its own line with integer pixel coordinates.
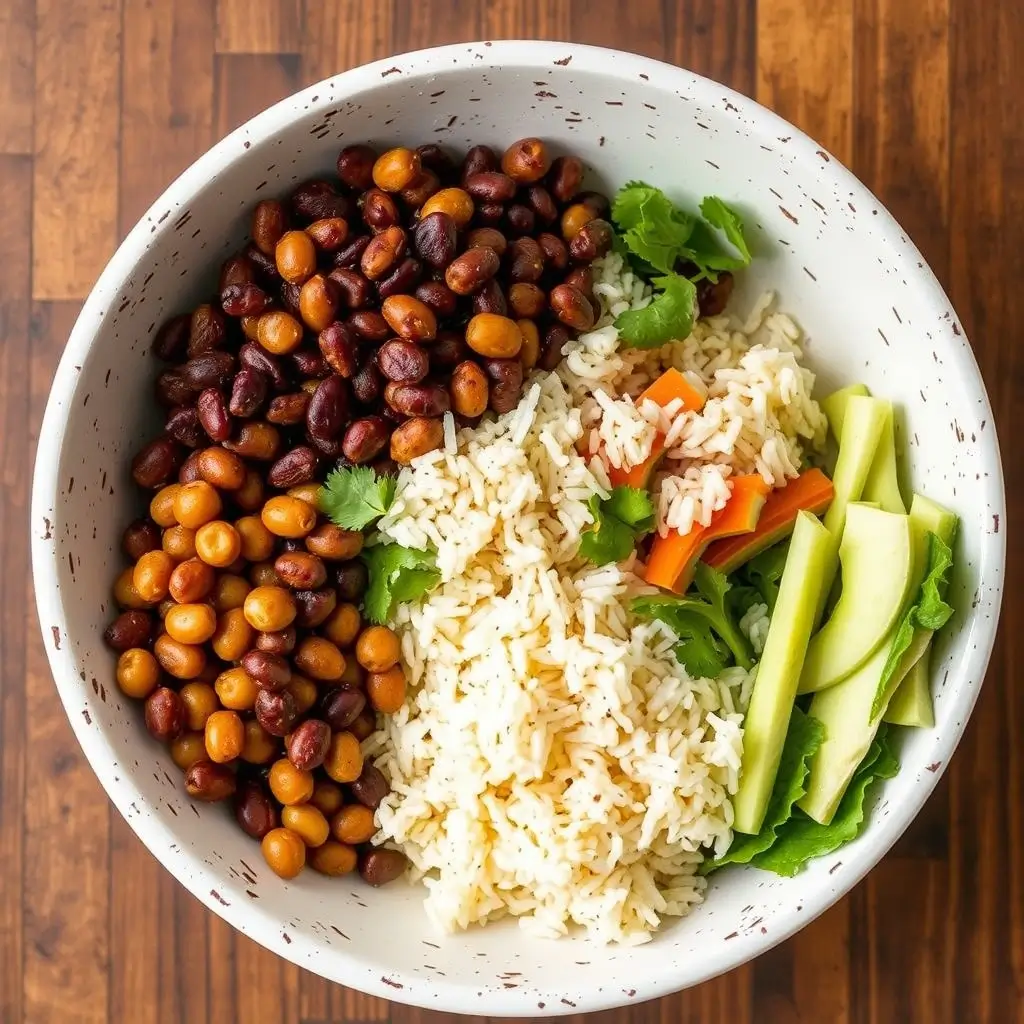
{"type": "Point", "coordinates": [363, 309]}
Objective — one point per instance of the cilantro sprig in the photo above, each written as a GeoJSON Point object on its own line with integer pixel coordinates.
{"type": "Point", "coordinates": [620, 520]}
{"type": "Point", "coordinates": [397, 574]}
{"type": "Point", "coordinates": [354, 496]}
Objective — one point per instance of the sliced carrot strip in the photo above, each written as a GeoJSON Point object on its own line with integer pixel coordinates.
{"type": "Point", "coordinates": [809, 492]}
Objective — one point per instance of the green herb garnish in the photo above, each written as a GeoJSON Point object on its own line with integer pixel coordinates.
{"type": "Point", "coordinates": [397, 575]}
{"type": "Point", "coordinates": [354, 497]}
{"type": "Point", "coordinates": [620, 520]}
{"type": "Point", "coordinates": [669, 315]}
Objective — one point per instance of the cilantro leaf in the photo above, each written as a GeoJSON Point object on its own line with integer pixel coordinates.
{"type": "Point", "coordinates": [698, 621]}
{"type": "Point", "coordinates": [804, 736]}
{"type": "Point", "coordinates": [353, 497]}
{"type": "Point", "coordinates": [930, 611]}
{"type": "Point", "coordinates": [654, 229]}
{"type": "Point", "coordinates": [802, 839]}
{"type": "Point", "coordinates": [620, 520]}
{"type": "Point", "coordinates": [397, 575]}
{"type": "Point", "coordinates": [722, 216]}
{"type": "Point", "coordinates": [764, 573]}
{"type": "Point", "coordinates": [669, 316]}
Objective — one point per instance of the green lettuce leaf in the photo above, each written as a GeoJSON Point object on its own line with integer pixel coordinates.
{"type": "Point", "coordinates": [804, 736]}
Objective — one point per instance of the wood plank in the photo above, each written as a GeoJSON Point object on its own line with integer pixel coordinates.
{"type": "Point", "coordinates": [417, 25]}
{"type": "Point", "coordinates": [258, 26]}
{"type": "Point", "coordinates": [15, 355]}
{"type": "Point", "coordinates": [805, 67]}
{"type": "Point", "coordinates": [66, 868]}
{"type": "Point", "coordinates": [621, 24]}
{"type": "Point", "coordinates": [17, 59]}
{"type": "Point", "coordinates": [528, 19]}
{"type": "Point", "coordinates": [167, 106]}
{"type": "Point", "coordinates": [821, 984]}
{"type": "Point", "coordinates": [716, 38]}
{"type": "Point", "coordinates": [247, 84]}
{"type": "Point", "coordinates": [345, 34]}
{"type": "Point", "coordinates": [74, 202]}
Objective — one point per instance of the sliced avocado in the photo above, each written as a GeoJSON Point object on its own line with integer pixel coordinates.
{"type": "Point", "coordinates": [834, 406]}
{"type": "Point", "coordinates": [882, 484]}
{"type": "Point", "coordinates": [862, 428]}
{"type": "Point", "coordinates": [911, 704]}
{"type": "Point", "coordinates": [771, 703]}
{"type": "Point", "coordinates": [877, 558]}
{"type": "Point", "coordinates": [845, 709]}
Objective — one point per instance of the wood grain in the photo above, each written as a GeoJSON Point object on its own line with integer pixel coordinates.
{"type": "Point", "coordinates": [103, 102]}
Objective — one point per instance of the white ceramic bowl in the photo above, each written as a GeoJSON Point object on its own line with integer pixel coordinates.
{"type": "Point", "coordinates": [873, 311]}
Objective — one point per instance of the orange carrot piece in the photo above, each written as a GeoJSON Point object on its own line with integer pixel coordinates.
{"type": "Point", "coordinates": [673, 557]}
{"type": "Point", "coordinates": [810, 492]}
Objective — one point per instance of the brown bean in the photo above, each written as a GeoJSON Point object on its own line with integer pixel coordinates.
{"type": "Point", "coordinates": [713, 296]}
{"type": "Point", "coordinates": [367, 385]}
{"type": "Point", "coordinates": [448, 350]}
{"type": "Point", "coordinates": [341, 706]}
{"type": "Point", "coordinates": [191, 581]}
{"type": "Point", "coordinates": [438, 297]}
{"type": "Point", "coordinates": [210, 370]}
{"type": "Point", "coordinates": [314, 607]}
{"type": "Point", "coordinates": [183, 425]}
{"type": "Point", "coordinates": [403, 278]}
{"type": "Point", "coordinates": [571, 306]}
{"type": "Point", "coordinates": [526, 161]}
{"type": "Point", "coordinates": [248, 393]}
{"type": "Point", "coordinates": [380, 211]}
{"type": "Point", "coordinates": [365, 725]}
{"type": "Point", "coordinates": [402, 361]}
{"type": "Point", "coordinates": [417, 399]}
{"type": "Point", "coordinates": [556, 255]}
{"type": "Point", "coordinates": [597, 202]}
{"type": "Point", "coordinates": [369, 325]}
{"type": "Point", "coordinates": [268, 225]}
{"type": "Point", "coordinates": [243, 300]}
{"type": "Point", "coordinates": [420, 189]}
{"type": "Point", "coordinates": [525, 260]}
{"type": "Point", "coordinates": [156, 463]}
{"type": "Point", "coordinates": [172, 389]}
{"type": "Point", "coordinates": [319, 299]}
{"type": "Point", "coordinates": [209, 782]}
{"type": "Point", "coordinates": [308, 744]}
{"type": "Point", "coordinates": [527, 300]}
{"type": "Point", "coordinates": [140, 537]}
{"type": "Point", "coordinates": [479, 159]}
{"type": "Point", "coordinates": [334, 544]}
{"type": "Point", "coordinates": [254, 357]}
{"type": "Point", "coordinates": [371, 787]}
{"type": "Point", "coordinates": [396, 169]}
{"type": "Point", "coordinates": [354, 291]}
{"type": "Point", "coordinates": [309, 363]}
{"type": "Point", "coordinates": [521, 220]}
{"type": "Point", "coordinates": [328, 408]}
{"type": "Point", "coordinates": [455, 202]}
{"type": "Point", "coordinates": [256, 440]}
{"type": "Point", "coordinates": [254, 810]}
{"type": "Point", "coordinates": [270, 671]}
{"type": "Point", "coordinates": [565, 177]}
{"type": "Point", "coordinates": [383, 253]}
{"type": "Point", "coordinates": [574, 219]}
{"type": "Point", "coordinates": [435, 239]}
{"type": "Point", "coordinates": [276, 712]}
{"type": "Point", "coordinates": [490, 214]}
{"type": "Point", "coordinates": [189, 471]}
{"type": "Point", "coordinates": [314, 200]}
{"type": "Point", "coordinates": [592, 241]}
{"type": "Point", "coordinates": [365, 439]}
{"type": "Point", "coordinates": [213, 414]}
{"type": "Point", "coordinates": [469, 272]}
{"type": "Point", "coordinates": [355, 166]}
{"type": "Point", "coordinates": [493, 336]}
{"type": "Point", "coordinates": [289, 292]}
{"type": "Point", "coordinates": [506, 377]}
{"type": "Point", "coordinates": [409, 318]}
{"type": "Point", "coordinates": [281, 641]}
{"type": "Point", "coordinates": [295, 256]}
{"type": "Point", "coordinates": [529, 354]}
{"type": "Point", "coordinates": [287, 410]}
{"type": "Point", "coordinates": [338, 349]}
{"type": "Point", "coordinates": [293, 468]}
{"type": "Point", "coordinates": [468, 387]}
{"type": "Point", "coordinates": [435, 159]}
{"type": "Point", "coordinates": [165, 714]}
{"type": "Point", "coordinates": [266, 268]}
{"type": "Point", "coordinates": [207, 330]}
{"type": "Point", "coordinates": [351, 580]}
{"type": "Point", "coordinates": [349, 255]}
{"type": "Point", "coordinates": [379, 867]}
{"type": "Point", "coordinates": [490, 186]}
{"type": "Point", "coordinates": [172, 339]}
{"type": "Point", "coordinates": [129, 629]}
{"type": "Point", "coordinates": [540, 201]}
{"type": "Point", "coordinates": [416, 437]}
{"type": "Point", "coordinates": [300, 570]}
{"type": "Point", "coordinates": [582, 278]}
{"type": "Point", "coordinates": [328, 234]}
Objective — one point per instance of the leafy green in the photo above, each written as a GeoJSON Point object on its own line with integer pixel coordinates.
{"type": "Point", "coordinates": [764, 573]}
{"type": "Point", "coordinates": [620, 520]}
{"type": "Point", "coordinates": [353, 497]}
{"type": "Point", "coordinates": [722, 216]}
{"type": "Point", "coordinates": [709, 636]}
{"type": "Point", "coordinates": [397, 575]}
{"type": "Point", "coordinates": [669, 315]}
{"type": "Point", "coordinates": [801, 839]}
{"type": "Point", "coordinates": [804, 736]}
{"type": "Point", "coordinates": [929, 611]}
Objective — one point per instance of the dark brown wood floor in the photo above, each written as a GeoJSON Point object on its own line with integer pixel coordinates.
{"type": "Point", "coordinates": [102, 102]}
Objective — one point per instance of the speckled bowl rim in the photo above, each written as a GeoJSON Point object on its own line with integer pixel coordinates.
{"type": "Point", "coordinates": [260, 925]}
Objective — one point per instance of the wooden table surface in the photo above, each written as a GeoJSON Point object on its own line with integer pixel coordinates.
{"type": "Point", "coordinates": [102, 102]}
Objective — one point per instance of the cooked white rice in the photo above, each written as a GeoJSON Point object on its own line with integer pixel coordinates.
{"type": "Point", "coordinates": [553, 761]}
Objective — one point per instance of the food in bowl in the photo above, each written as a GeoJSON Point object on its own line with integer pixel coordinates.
{"type": "Point", "coordinates": [490, 458]}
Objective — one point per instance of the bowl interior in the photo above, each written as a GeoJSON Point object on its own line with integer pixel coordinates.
{"type": "Point", "coordinates": [841, 266]}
